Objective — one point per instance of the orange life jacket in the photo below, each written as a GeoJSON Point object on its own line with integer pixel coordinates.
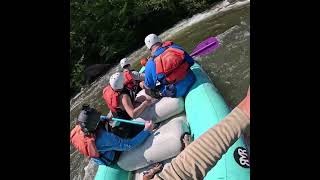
{"type": "Point", "coordinates": [144, 61]}
{"type": "Point", "coordinates": [111, 97]}
{"type": "Point", "coordinates": [172, 63]}
{"type": "Point", "coordinates": [84, 144]}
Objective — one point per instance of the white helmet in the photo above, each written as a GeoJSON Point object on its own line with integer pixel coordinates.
{"type": "Point", "coordinates": [116, 81]}
{"type": "Point", "coordinates": [151, 39]}
{"type": "Point", "coordinates": [124, 61]}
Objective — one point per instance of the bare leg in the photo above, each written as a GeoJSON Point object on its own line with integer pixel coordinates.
{"type": "Point", "coordinates": [185, 140]}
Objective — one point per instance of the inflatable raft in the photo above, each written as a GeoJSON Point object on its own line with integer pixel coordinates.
{"type": "Point", "coordinates": [204, 107]}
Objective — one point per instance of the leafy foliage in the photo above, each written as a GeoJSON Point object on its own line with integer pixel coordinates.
{"type": "Point", "coordinates": [104, 31]}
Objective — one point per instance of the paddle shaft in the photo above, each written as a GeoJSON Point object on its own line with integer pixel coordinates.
{"type": "Point", "coordinates": [128, 121]}
{"type": "Point", "coordinates": [205, 47]}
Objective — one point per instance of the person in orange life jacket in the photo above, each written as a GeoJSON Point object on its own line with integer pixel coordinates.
{"type": "Point", "coordinates": [95, 140]}
{"type": "Point", "coordinates": [133, 79]}
{"type": "Point", "coordinates": [120, 99]}
{"type": "Point", "coordinates": [170, 65]}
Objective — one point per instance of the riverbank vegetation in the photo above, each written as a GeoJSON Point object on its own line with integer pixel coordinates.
{"type": "Point", "coordinates": [104, 31]}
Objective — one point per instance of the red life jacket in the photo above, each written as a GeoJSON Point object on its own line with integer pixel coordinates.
{"type": "Point", "coordinates": [128, 79]}
{"type": "Point", "coordinates": [84, 144]}
{"type": "Point", "coordinates": [172, 63]}
{"type": "Point", "coordinates": [111, 97]}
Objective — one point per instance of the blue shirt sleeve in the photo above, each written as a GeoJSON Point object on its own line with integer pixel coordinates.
{"type": "Point", "coordinates": [108, 141]}
{"type": "Point", "coordinates": [127, 144]}
{"type": "Point", "coordinates": [150, 76]}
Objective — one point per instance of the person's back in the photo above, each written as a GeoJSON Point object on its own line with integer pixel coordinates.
{"type": "Point", "coordinates": [110, 145]}
{"type": "Point", "coordinates": [98, 142]}
{"type": "Point", "coordinates": [169, 65]}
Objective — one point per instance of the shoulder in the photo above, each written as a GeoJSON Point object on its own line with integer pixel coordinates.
{"type": "Point", "coordinates": [176, 46]}
{"type": "Point", "coordinates": [124, 94]}
{"type": "Point", "coordinates": [150, 64]}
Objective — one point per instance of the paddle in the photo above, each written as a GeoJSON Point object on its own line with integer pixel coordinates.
{"type": "Point", "coordinates": [128, 121]}
{"type": "Point", "coordinates": [203, 48]}
{"type": "Point", "coordinates": [123, 120]}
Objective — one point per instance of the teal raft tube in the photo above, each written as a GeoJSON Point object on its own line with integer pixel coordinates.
{"type": "Point", "coordinates": [204, 108]}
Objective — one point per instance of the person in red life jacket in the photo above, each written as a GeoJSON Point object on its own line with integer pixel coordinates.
{"type": "Point", "coordinates": [93, 138]}
{"type": "Point", "coordinates": [120, 99]}
{"type": "Point", "coordinates": [132, 79]}
{"type": "Point", "coordinates": [170, 65]}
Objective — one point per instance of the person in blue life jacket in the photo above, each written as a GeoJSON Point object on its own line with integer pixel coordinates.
{"type": "Point", "coordinates": [95, 139]}
{"type": "Point", "coordinates": [169, 65]}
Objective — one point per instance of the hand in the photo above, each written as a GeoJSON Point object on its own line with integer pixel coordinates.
{"type": "Point", "coordinates": [148, 125]}
{"type": "Point", "coordinates": [148, 102]}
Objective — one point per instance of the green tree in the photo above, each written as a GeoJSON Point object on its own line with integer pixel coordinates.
{"type": "Point", "coordinates": [104, 31]}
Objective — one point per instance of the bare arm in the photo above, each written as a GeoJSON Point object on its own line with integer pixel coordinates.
{"type": "Point", "coordinates": [133, 112]}
{"type": "Point", "coordinates": [203, 153]}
